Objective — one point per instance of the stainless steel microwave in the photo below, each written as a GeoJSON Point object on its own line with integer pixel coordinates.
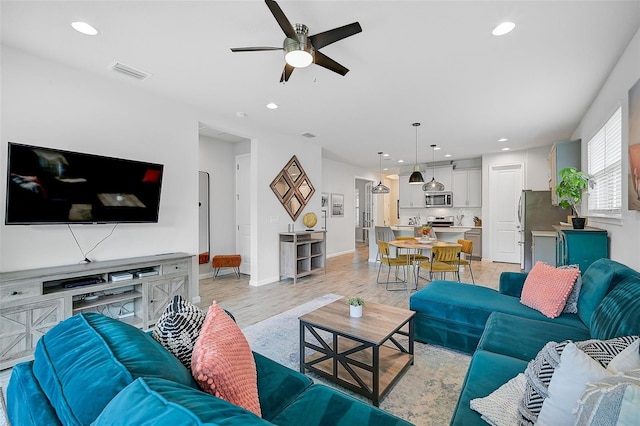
{"type": "Point", "coordinates": [439, 199]}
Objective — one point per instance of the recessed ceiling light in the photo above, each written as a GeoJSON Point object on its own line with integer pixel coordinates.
{"type": "Point", "coordinates": [505, 149]}
{"type": "Point", "coordinates": [386, 155]}
{"type": "Point", "coordinates": [503, 140]}
{"type": "Point", "coordinates": [447, 155]}
{"type": "Point", "coordinates": [84, 28]}
{"type": "Point", "coordinates": [272, 105]}
{"type": "Point", "coordinates": [385, 168]}
{"type": "Point", "coordinates": [436, 148]}
{"type": "Point", "coordinates": [503, 28]}
{"type": "Point", "coordinates": [400, 161]}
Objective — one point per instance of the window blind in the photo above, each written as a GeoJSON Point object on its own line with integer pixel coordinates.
{"type": "Point", "coordinates": [604, 153]}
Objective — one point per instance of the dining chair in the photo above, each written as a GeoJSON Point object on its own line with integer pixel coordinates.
{"type": "Point", "coordinates": [443, 259]}
{"type": "Point", "coordinates": [467, 249]}
{"type": "Point", "coordinates": [383, 233]}
{"type": "Point", "coordinates": [391, 262]}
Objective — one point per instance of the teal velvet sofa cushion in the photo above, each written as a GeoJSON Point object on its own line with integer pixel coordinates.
{"type": "Point", "coordinates": [619, 312]}
{"type": "Point", "coordinates": [22, 387]}
{"type": "Point", "coordinates": [598, 280]}
{"type": "Point", "coordinates": [277, 385]}
{"type": "Point", "coordinates": [487, 372]}
{"type": "Point", "coordinates": [91, 354]}
{"type": "Point", "coordinates": [454, 314]}
{"type": "Point", "coordinates": [523, 338]}
{"type": "Point", "coordinates": [160, 402]}
{"type": "Point", "coordinates": [320, 406]}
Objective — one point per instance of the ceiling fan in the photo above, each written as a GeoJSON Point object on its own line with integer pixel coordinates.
{"type": "Point", "coordinates": [301, 49]}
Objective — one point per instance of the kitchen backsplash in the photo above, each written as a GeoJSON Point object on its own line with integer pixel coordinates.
{"type": "Point", "coordinates": [422, 214]}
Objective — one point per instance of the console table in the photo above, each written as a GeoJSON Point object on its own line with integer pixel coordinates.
{"type": "Point", "coordinates": [302, 253]}
{"type": "Point", "coordinates": [134, 290]}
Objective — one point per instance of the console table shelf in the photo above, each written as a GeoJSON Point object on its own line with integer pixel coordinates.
{"type": "Point", "coordinates": [302, 253]}
{"type": "Point", "coordinates": [35, 300]}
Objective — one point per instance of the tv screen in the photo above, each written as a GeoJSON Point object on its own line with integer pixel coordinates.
{"type": "Point", "coordinates": [49, 186]}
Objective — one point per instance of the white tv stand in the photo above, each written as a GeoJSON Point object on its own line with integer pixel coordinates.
{"type": "Point", "coordinates": [33, 301]}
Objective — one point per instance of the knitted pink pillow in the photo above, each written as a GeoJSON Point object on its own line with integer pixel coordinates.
{"type": "Point", "coordinates": [547, 288]}
{"type": "Point", "coordinates": [222, 362]}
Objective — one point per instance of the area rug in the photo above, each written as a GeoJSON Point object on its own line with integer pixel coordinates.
{"type": "Point", "coordinates": [425, 395]}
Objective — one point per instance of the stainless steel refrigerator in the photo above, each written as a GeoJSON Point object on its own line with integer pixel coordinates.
{"type": "Point", "coordinates": [536, 213]}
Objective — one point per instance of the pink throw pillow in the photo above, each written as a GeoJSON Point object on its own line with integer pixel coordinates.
{"type": "Point", "coordinates": [547, 288]}
{"type": "Point", "coordinates": [222, 362]}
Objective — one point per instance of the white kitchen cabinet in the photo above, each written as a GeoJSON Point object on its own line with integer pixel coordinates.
{"type": "Point", "coordinates": [467, 188]}
{"type": "Point", "coordinates": [443, 174]}
{"type": "Point", "coordinates": [411, 196]}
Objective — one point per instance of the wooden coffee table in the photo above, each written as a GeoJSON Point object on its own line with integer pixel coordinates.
{"type": "Point", "coordinates": [362, 354]}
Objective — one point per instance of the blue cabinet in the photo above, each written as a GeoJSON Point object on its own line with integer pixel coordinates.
{"type": "Point", "coordinates": [581, 246]}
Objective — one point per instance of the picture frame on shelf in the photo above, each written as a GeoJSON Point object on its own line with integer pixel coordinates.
{"type": "Point", "coordinates": [337, 205]}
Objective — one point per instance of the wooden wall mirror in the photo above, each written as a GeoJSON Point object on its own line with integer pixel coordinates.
{"type": "Point", "coordinates": [293, 188]}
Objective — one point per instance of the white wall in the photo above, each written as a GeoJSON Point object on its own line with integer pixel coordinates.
{"type": "Point", "coordinates": [218, 159]}
{"type": "Point", "coordinates": [51, 105]}
{"type": "Point", "coordinates": [340, 178]}
{"type": "Point", "coordinates": [624, 234]}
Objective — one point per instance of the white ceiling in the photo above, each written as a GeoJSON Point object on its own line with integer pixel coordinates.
{"type": "Point", "coordinates": [434, 62]}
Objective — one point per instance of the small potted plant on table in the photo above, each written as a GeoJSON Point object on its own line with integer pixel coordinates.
{"type": "Point", "coordinates": [355, 306]}
{"type": "Point", "coordinates": [570, 189]}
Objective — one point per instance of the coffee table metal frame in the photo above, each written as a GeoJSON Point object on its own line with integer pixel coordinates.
{"type": "Point", "coordinates": [349, 365]}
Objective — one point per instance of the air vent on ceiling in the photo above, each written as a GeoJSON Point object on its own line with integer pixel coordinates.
{"type": "Point", "coordinates": [130, 71]}
{"type": "Point", "coordinates": [308, 135]}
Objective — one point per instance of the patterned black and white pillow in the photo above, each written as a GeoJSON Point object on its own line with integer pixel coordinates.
{"type": "Point", "coordinates": [540, 370]}
{"type": "Point", "coordinates": [178, 328]}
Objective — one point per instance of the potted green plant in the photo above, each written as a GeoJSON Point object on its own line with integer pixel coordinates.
{"type": "Point", "coordinates": [570, 189]}
{"type": "Point", "coordinates": [355, 306]}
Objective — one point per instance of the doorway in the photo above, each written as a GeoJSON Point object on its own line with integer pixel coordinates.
{"type": "Point", "coordinates": [505, 186]}
{"type": "Point", "coordinates": [363, 205]}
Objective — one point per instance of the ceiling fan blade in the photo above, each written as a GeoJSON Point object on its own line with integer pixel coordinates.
{"type": "Point", "coordinates": [323, 39]}
{"type": "Point", "coordinates": [281, 18]}
{"type": "Point", "coordinates": [328, 63]}
{"type": "Point", "coordinates": [286, 73]}
{"type": "Point", "coordinates": [254, 49]}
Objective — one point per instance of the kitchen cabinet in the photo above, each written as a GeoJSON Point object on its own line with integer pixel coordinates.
{"type": "Point", "coordinates": [580, 246]}
{"type": "Point", "coordinates": [443, 174]}
{"type": "Point", "coordinates": [411, 196]}
{"type": "Point", "coordinates": [467, 188]}
{"type": "Point", "coordinates": [543, 247]}
{"type": "Point", "coordinates": [475, 235]}
{"type": "Point", "coordinates": [563, 154]}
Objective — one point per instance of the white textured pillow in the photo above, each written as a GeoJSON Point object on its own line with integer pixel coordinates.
{"type": "Point", "coordinates": [614, 400]}
{"type": "Point", "coordinates": [500, 407]}
{"type": "Point", "coordinates": [569, 381]}
{"type": "Point", "coordinates": [627, 360]}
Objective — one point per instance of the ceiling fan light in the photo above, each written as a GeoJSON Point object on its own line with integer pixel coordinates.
{"type": "Point", "coordinates": [299, 58]}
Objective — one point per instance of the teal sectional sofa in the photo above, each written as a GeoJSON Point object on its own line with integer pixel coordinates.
{"type": "Point", "coordinates": [503, 335]}
{"type": "Point", "coordinates": [91, 369]}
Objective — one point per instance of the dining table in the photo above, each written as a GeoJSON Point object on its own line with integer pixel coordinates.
{"type": "Point", "coordinates": [416, 246]}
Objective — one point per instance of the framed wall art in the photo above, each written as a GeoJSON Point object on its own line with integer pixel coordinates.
{"type": "Point", "coordinates": [337, 205]}
{"type": "Point", "coordinates": [634, 147]}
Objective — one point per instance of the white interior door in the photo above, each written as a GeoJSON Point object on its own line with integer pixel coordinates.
{"type": "Point", "coordinates": [243, 212]}
{"type": "Point", "coordinates": [505, 183]}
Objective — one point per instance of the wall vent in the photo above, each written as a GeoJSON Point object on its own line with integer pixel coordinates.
{"type": "Point", "coordinates": [130, 71]}
{"type": "Point", "coordinates": [308, 135]}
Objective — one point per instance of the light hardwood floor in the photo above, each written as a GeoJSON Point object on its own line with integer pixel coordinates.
{"type": "Point", "coordinates": [347, 275]}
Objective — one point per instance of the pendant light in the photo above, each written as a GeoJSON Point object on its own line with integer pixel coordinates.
{"type": "Point", "coordinates": [380, 188]}
{"type": "Point", "coordinates": [416, 177]}
{"type": "Point", "coordinates": [434, 185]}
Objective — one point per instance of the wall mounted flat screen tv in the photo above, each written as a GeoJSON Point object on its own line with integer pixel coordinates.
{"type": "Point", "coordinates": [52, 186]}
